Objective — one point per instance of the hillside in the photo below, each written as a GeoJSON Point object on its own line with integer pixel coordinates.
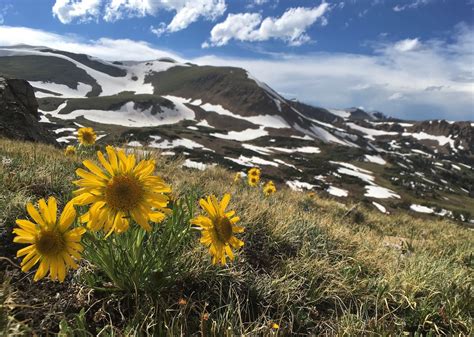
{"type": "Point", "coordinates": [310, 265]}
{"type": "Point", "coordinates": [224, 115]}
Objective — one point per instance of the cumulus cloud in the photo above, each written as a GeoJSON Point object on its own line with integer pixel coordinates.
{"type": "Point", "coordinates": [68, 10]}
{"type": "Point", "coordinates": [186, 11]}
{"type": "Point", "coordinates": [435, 80]}
{"type": "Point", "coordinates": [290, 27]}
{"type": "Point", "coordinates": [390, 81]}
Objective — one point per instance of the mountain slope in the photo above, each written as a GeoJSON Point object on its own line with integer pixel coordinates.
{"type": "Point", "coordinates": [224, 115]}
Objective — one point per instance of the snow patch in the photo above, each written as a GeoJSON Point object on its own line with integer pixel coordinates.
{"type": "Point", "coordinates": [421, 209]}
{"type": "Point", "coordinates": [336, 191]}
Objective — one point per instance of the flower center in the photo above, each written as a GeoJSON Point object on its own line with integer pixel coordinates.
{"type": "Point", "coordinates": [123, 193]}
{"type": "Point", "coordinates": [88, 137]}
{"type": "Point", "coordinates": [50, 243]}
{"type": "Point", "coordinates": [223, 229]}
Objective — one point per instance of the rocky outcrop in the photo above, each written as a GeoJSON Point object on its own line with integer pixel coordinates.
{"type": "Point", "coordinates": [19, 112]}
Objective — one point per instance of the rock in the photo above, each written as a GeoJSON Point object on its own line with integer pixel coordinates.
{"type": "Point", "coordinates": [19, 112]}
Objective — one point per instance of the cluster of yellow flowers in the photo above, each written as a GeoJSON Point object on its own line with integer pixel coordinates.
{"type": "Point", "coordinates": [116, 193]}
{"type": "Point", "coordinates": [253, 179]}
{"type": "Point", "coordinates": [85, 136]}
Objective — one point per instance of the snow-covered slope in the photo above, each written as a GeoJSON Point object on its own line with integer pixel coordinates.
{"type": "Point", "coordinates": [225, 115]}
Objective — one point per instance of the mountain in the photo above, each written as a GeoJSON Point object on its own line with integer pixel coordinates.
{"type": "Point", "coordinates": [224, 115]}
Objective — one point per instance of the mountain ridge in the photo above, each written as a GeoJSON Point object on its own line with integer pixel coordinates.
{"type": "Point", "coordinates": [224, 115]}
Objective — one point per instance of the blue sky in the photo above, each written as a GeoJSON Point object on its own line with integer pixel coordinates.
{"type": "Point", "coordinates": [409, 58]}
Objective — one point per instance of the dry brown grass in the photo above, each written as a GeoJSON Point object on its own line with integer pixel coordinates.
{"type": "Point", "coordinates": [314, 265]}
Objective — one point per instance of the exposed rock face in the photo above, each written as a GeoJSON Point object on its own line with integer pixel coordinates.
{"type": "Point", "coordinates": [19, 112]}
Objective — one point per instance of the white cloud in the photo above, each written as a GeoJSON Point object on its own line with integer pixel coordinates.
{"type": "Point", "coordinates": [396, 96]}
{"type": "Point", "coordinates": [411, 5]}
{"type": "Point", "coordinates": [160, 30]}
{"type": "Point", "coordinates": [104, 48]}
{"type": "Point", "coordinates": [436, 79]}
{"type": "Point", "coordinates": [290, 27]}
{"type": "Point", "coordinates": [186, 11]}
{"type": "Point", "coordinates": [407, 45]}
{"type": "Point", "coordinates": [68, 10]}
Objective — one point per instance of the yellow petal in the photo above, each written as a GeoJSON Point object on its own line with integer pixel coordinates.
{"type": "Point", "coordinates": [208, 208]}
{"type": "Point", "coordinates": [26, 250]}
{"type": "Point", "coordinates": [27, 266]}
{"type": "Point", "coordinates": [33, 212]}
{"type": "Point", "coordinates": [42, 269]}
{"type": "Point", "coordinates": [225, 202]}
{"type": "Point", "coordinates": [95, 169]}
{"type": "Point", "coordinates": [28, 226]}
{"type": "Point", "coordinates": [53, 209]}
{"type": "Point", "coordinates": [44, 210]}
{"type": "Point", "coordinates": [67, 217]}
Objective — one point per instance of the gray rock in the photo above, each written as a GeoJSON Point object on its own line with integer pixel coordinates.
{"type": "Point", "coordinates": [19, 112]}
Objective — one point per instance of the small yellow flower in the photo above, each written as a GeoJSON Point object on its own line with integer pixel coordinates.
{"type": "Point", "coordinates": [121, 190]}
{"type": "Point", "coordinates": [70, 150]}
{"type": "Point", "coordinates": [269, 188]}
{"type": "Point", "coordinates": [218, 228]}
{"type": "Point", "coordinates": [275, 326]}
{"type": "Point", "coordinates": [253, 180]}
{"type": "Point", "coordinates": [51, 241]}
{"type": "Point", "coordinates": [254, 172]}
{"type": "Point", "coordinates": [86, 136]}
{"type": "Point", "coordinates": [237, 177]}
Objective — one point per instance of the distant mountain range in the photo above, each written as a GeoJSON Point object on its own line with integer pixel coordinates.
{"type": "Point", "coordinates": [224, 115]}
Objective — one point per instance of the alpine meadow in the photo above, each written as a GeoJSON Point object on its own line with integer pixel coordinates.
{"type": "Point", "coordinates": [236, 168]}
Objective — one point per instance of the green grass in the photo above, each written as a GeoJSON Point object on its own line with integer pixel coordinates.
{"type": "Point", "coordinates": [309, 264]}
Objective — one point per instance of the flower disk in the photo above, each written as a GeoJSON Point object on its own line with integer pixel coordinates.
{"type": "Point", "coordinates": [86, 136]}
{"type": "Point", "coordinates": [218, 228]}
{"type": "Point", "coordinates": [50, 242]}
{"type": "Point", "coordinates": [120, 190]}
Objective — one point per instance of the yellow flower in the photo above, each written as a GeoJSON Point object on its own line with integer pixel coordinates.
{"type": "Point", "coordinates": [51, 241]}
{"type": "Point", "coordinates": [86, 136]}
{"type": "Point", "coordinates": [275, 326]}
{"type": "Point", "coordinates": [269, 188]}
{"type": "Point", "coordinates": [119, 191]}
{"type": "Point", "coordinates": [254, 172]}
{"type": "Point", "coordinates": [218, 228]}
{"type": "Point", "coordinates": [253, 180]}
{"type": "Point", "coordinates": [237, 177]}
{"type": "Point", "coordinates": [70, 150]}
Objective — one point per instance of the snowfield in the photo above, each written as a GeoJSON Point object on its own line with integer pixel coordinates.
{"type": "Point", "coordinates": [130, 116]}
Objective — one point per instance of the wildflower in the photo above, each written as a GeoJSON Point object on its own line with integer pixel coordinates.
{"type": "Point", "coordinates": [218, 228]}
{"type": "Point", "coordinates": [269, 188]}
{"type": "Point", "coordinates": [253, 180]}
{"type": "Point", "coordinates": [237, 177]}
{"type": "Point", "coordinates": [275, 326]}
{"type": "Point", "coordinates": [254, 172]}
{"type": "Point", "coordinates": [119, 191]}
{"type": "Point", "coordinates": [70, 150]}
{"type": "Point", "coordinates": [51, 241]}
{"type": "Point", "coordinates": [86, 136]}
